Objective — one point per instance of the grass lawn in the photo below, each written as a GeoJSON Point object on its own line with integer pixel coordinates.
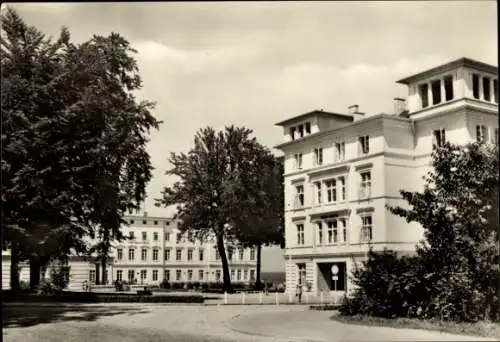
{"type": "Point", "coordinates": [101, 333]}
{"type": "Point", "coordinates": [485, 329]}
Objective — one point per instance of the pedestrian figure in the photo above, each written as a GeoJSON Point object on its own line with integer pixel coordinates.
{"type": "Point", "coordinates": [299, 292]}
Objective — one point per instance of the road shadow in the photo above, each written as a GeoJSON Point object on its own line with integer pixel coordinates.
{"type": "Point", "coordinates": [28, 316]}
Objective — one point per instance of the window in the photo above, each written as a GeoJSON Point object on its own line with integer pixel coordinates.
{"type": "Point", "coordinates": [448, 88]}
{"type": "Point", "coordinates": [495, 90]}
{"type": "Point", "coordinates": [167, 223]}
{"type": "Point", "coordinates": [319, 227]}
{"type": "Point", "coordinates": [155, 223]}
{"type": "Point", "coordinates": [332, 231]}
{"type": "Point", "coordinates": [217, 255]}
{"type": "Point", "coordinates": [190, 275]}
{"type": "Point", "coordinates": [232, 274]}
{"type": "Point", "coordinates": [299, 196]}
{"type": "Point", "coordinates": [300, 234]}
{"type": "Point", "coordinates": [155, 255]}
{"type": "Point", "coordinates": [481, 133]}
{"type": "Point", "coordinates": [178, 275]}
{"type": "Point", "coordinates": [119, 254]}
{"type": "Point", "coordinates": [366, 185]}
{"type": "Point", "coordinates": [252, 274]}
{"type": "Point", "coordinates": [238, 274]}
{"type": "Point", "coordinates": [200, 275]}
{"type": "Point", "coordinates": [252, 254]}
{"type": "Point", "coordinates": [144, 236]}
{"type": "Point", "coordinates": [298, 160]}
{"type": "Point", "coordinates": [92, 276]}
{"type": "Point", "coordinates": [217, 275]}
{"type": "Point", "coordinates": [301, 131]}
{"type": "Point", "coordinates": [131, 235]}
{"type": "Point", "coordinates": [245, 274]}
{"type": "Point", "coordinates": [496, 137]}
{"type": "Point", "coordinates": [438, 138]}
{"type": "Point", "coordinates": [155, 236]}
{"type": "Point", "coordinates": [179, 237]}
{"type": "Point", "coordinates": [119, 275]}
{"type": "Point", "coordinates": [167, 275]}
{"type": "Point", "coordinates": [131, 254]}
{"type": "Point", "coordinates": [144, 275]}
{"type": "Point", "coordinates": [423, 89]}
{"type": "Point", "coordinates": [190, 237]}
{"type": "Point", "coordinates": [132, 221]}
{"type": "Point", "coordinates": [308, 128]}
{"type": "Point", "coordinates": [486, 89]}
{"type": "Point", "coordinates": [318, 156]}
{"type": "Point", "coordinates": [318, 192]}
{"type": "Point", "coordinates": [230, 254]}
{"type": "Point", "coordinates": [475, 86]}
{"type": "Point", "coordinates": [241, 251]}
{"type": "Point", "coordinates": [144, 254]}
{"type": "Point", "coordinates": [131, 275]}
{"type": "Point", "coordinates": [339, 151]}
{"type": "Point", "coordinates": [331, 190]}
{"type": "Point", "coordinates": [292, 132]}
{"type": "Point", "coordinates": [155, 275]}
{"type": "Point", "coordinates": [366, 228]}
{"type": "Point", "coordinates": [167, 236]}
{"type": "Point", "coordinates": [364, 144]}
{"type": "Point", "coordinates": [167, 254]}
{"type": "Point", "coordinates": [343, 226]}
{"type": "Point", "coordinates": [178, 254]}
{"type": "Point", "coordinates": [144, 222]}
{"type": "Point", "coordinates": [190, 254]}
{"type": "Point", "coordinates": [436, 91]}
{"type": "Point", "coordinates": [201, 254]}
{"type": "Point", "coordinates": [342, 188]}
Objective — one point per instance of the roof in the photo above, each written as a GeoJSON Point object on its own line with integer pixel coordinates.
{"type": "Point", "coordinates": [319, 112]}
{"type": "Point", "coordinates": [461, 62]}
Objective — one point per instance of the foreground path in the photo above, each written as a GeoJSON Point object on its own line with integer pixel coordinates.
{"type": "Point", "coordinates": [148, 323]}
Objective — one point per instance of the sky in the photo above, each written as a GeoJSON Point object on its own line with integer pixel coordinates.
{"type": "Point", "coordinates": [254, 64]}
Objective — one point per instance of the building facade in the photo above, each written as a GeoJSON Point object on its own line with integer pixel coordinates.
{"type": "Point", "coordinates": [342, 170]}
{"type": "Point", "coordinates": [155, 251]}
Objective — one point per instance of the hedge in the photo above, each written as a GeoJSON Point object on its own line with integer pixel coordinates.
{"type": "Point", "coordinates": [85, 297]}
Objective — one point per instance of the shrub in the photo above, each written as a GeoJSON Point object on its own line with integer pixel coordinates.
{"type": "Point", "coordinates": [24, 285]}
{"type": "Point", "coordinates": [165, 284]}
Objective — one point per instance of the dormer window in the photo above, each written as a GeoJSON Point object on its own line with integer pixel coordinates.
{"type": "Point", "coordinates": [486, 89]}
{"type": "Point", "coordinates": [364, 144]}
{"type": "Point", "coordinates": [301, 131]}
{"type": "Point", "coordinates": [475, 86]}
{"type": "Point", "coordinates": [292, 132]}
{"type": "Point", "coordinates": [308, 128]}
{"type": "Point", "coordinates": [448, 88]}
{"type": "Point", "coordinates": [424, 95]}
{"type": "Point", "coordinates": [436, 92]}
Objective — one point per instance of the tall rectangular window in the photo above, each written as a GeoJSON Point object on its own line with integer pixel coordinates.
{"type": "Point", "coordinates": [178, 274]}
{"type": "Point", "coordinates": [241, 252]}
{"type": "Point", "coordinates": [298, 161]}
{"type": "Point", "coordinates": [167, 236]}
{"type": "Point", "coordinates": [119, 254]}
{"type": "Point", "coordinates": [366, 185]}
{"type": "Point", "coordinates": [308, 128]}
{"type": "Point", "coordinates": [200, 274]}
{"type": "Point", "coordinates": [252, 254]}
{"type": "Point", "coordinates": [331, 190]}
{"type": "Point", "coordinates": [119, 275]}
{"type": "Point", "coordinates": [366, 228]}
{"type": "Point", "coordinates": [486, 89]}
{"type": "Point", "coordinates": [342, 188]}
{"type": "Point", "coordinates": [167, 275]}
{"type": "Point", "coordinates": [155, 236]}
{"type": "Point", "coordinates": [364, 144]}
{"type": "Point", "coordinates": [131, 235]}
{"type": "Point", "coordinates": [239, 274]}
{"type": "Point", "coordinates": [144, 254]}
{"type": "Point", "coordinates": [232, 274]}
{"type": "Point", "coordinates": [155, 255]}
{"type": "Point", "coordinates": [190, 254]}
{"type": "Point", "coordinates": [343, 229]}
{"type": "Point", "coordinates": [167, 254]}
{"type": "Point", "coordinates": [201, 254]}
{"type": "Point", "coordinates": [475, 86]}
{"type": "Point", "coordinates": [155, 275]}
{"type": "Point", "coordinates": [332, 232]}
{"type": "Point", "coordinates": [178, 255]}
{"type": "Point", "coordinates": [339, 151]}
{"type": "Point", "coordinates": [495, 90]}
{"type": "Point", "coordinates": [317, 187]}
{"type": "Point", "coordinates": [92, 276]}
{"type": "Point", "coordinates": [436, 91]}
{"type": "Point", "coordinates": [319, 227]}
{"type": "Point", "coordinates": [131, 275]}
{"type": "Point", "coordinates": [217, 255]}
{"type": "Point", "coordinates": [300, 234]}
{"type": "Point", "coordinates": [481, 133]}
{"type": "Point", "coordinates": [252, 274]}
{"type": "Point", "coordinates": [438, 138]}
{"type": "Point", "coordinates": [318, 156]}
{"type": "Point", "coordinates": [179, 237]}
{"type": "Point", "coordinates": [230, 254]}
{"type": "Point", "coordinates": [131, 254]}
{"type": "Point", "coordinates": [292, 133]}
{"type": "Point", "coordinates": [423, 90]}
{"type": "Point", "coordinates": [144, 236]}
{"type": "Point", "coordinates": [448, 88]}
{"type": "Point", "coordinates": [190, 275]}
{"type": "Point", "coordinates": [299, 196]}
{"type": "Point", "coordinates": [301, 131]}
{"type": "Point", "coordinates": [144, 275]}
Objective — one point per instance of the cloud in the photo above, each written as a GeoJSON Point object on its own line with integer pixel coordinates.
{"type": "Point", "coordinates": [43, 7]}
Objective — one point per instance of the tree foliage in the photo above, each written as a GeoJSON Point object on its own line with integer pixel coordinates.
{"type": "Point", "coordinates": [218, 187]}
{"type": "Point", "coordinates": [73, 141]}
{"type": "Point", "coordinates": [458, 261]}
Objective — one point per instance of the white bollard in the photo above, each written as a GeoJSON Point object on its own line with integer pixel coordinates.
{"type": "Point", "coordinates": [225, 297]}
{"type": "Point", "coordinates": [277, 299]}
{"type": "Point", "coordinates": [321, 297]}
{"type": "Point", "coordinates": [243, 297]}
{"type": "Point", "coordinates": [260, 297]}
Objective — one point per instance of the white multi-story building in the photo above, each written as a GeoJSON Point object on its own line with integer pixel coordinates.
{"type": "Point", "coordinates": [342, 170]}
{"type": "Point", "coordinates": [156, 251]}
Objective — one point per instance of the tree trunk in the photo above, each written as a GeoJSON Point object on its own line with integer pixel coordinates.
{"type": "Point", "coordinates": [35, 268]}
{"type": "Point", "coordinates": [103, 266]}
{"type": "Point", "coordinates": [225, 266]}
{"type": "Point", "coordinates": [14, 269]}
{"type": "Point", "coordinates": [258, 284]}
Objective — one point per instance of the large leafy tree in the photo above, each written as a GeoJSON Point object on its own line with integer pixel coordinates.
{"type": "Point", "coordinates": [209, 195]}
{"type": "Point", "coordinates": [458, 210]}
{"type": "Point", "coordinates": [73, 142]}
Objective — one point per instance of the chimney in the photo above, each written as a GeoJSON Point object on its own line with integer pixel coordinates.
{"type": "Point", "coordinates": [399, 105]}
{"type": "Point", "coordinates": [352, 109]}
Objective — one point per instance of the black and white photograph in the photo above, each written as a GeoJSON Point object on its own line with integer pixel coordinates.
{"type": "Point", "coordinates": [254, 171]}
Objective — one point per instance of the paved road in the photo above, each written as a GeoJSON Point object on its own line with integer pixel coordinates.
{"type": "Point", "coordinates": [203, 323]}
